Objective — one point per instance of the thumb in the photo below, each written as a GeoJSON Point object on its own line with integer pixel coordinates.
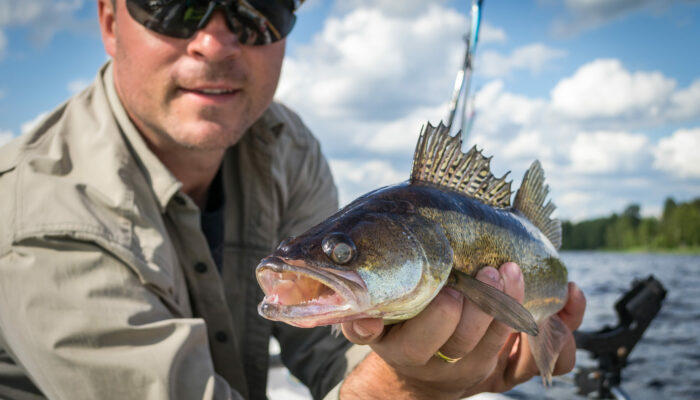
{"type": "Point", "coordinates": [363, 331]}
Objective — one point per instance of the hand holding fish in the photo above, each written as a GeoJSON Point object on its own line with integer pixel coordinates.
{"type": "Point", "coordinates": [491, 357]}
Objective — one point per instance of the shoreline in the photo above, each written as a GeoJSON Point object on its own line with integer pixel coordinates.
{"type": "Point", "coordinates": [642, 250]}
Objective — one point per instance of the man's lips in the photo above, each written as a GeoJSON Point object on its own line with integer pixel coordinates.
{"type": "Point", "coordinates": [211, 94]}
{"type": "Point", "coordinates": [210, 90]}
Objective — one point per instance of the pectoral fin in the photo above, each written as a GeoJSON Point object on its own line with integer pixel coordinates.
{"type": "Point", "coordinates": [495, 303]}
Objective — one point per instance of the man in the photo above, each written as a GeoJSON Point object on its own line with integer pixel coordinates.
{"type": "Point", "coordinates": [136, 213]}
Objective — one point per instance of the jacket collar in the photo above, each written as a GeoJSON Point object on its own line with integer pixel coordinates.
{"type": "Point", "coordinates": [163, 183]}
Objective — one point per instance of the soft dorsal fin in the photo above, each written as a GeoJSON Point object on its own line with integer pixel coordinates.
{"type": "Point", "coordinates": [529, 200]}
{"type": "Point", "coordinates": [439, 160]}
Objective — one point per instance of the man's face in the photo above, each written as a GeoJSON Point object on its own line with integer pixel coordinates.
{"type": "Point", "coordinates": [199, 93]}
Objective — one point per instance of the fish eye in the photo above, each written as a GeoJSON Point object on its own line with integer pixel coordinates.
{"type": "Point", "coordinates": [339, 247]}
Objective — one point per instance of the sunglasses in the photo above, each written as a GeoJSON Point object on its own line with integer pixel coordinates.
{"type": "Point", "coordinates": [255, 22]}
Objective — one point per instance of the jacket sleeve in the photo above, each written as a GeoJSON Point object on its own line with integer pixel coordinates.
{"type": "Point", "coordinates": [83, 326]}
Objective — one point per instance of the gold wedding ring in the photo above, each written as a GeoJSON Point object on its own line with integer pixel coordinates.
{"type": "Point", "coordinates": [446, 359]}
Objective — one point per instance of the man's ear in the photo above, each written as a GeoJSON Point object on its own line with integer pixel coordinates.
{"type": "Point", "coordinates": [106, 13]}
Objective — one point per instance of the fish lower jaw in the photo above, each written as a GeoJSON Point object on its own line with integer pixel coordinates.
{"type": "Point", "coordinates": [309, 314]}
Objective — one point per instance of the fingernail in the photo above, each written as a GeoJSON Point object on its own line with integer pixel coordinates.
{"type": "Point", "coordinates": [453, 292]}
{"type": "Point", "coordinates": [492, 274]}
{"type": "Point", "coordinates": [512, 271]}
{"type": "Point", "coordinates": [362, 332]}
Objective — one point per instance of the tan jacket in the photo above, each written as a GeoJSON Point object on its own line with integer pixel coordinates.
{"type": "Point", "coordinates": [107, 285]}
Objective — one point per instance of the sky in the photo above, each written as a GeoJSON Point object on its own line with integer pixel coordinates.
{"type": "Point", "coordinates": [605, 93]}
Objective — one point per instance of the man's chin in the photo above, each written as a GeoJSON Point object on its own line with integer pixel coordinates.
{"type": "Point", "coordinates": [205, 137]}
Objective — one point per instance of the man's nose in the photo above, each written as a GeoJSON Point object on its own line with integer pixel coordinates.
{"type": "Point", "coordinates": [215, 41]}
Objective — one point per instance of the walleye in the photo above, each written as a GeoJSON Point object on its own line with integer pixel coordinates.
{"type": "Point", "coordinates": [388, 253]}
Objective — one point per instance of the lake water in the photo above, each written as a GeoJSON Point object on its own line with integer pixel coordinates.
{"type": "Point", "coordinates": [664, 364]}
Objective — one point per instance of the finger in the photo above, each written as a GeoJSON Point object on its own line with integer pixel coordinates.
{"type": "Point", "coordinates": [473, 322]}
{"type": "Point", "coordinates": [498, 380]}
{"type": "Point", "coordinates": [513, 279]}
{"type": "Point", "coordinates": [572, 313]}
{"type": "Point", "coordinates": [510, 349]}
{"type": "Point", "coordinates": [497, 333]}
{"type": "Point", "coordinates": [415, 341]}
{"type": "Point", "coordinates": [507, 360]}
{"type": "Point", "coordinates": [525, 367]}
{"type": "Point", "coordinates": [567, 357]}
{"type": "Point", "coordinates": [363, 331]}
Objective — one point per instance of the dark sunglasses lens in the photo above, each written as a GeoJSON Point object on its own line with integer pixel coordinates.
{"type": "Point", "coordinates": [172, 18]}
{"type": "Point", "coordinates": [254, 22]}
{"type": "Point", "coordinates": [279, 15]}
{"type": "Point", "coordinates": [262, 22]}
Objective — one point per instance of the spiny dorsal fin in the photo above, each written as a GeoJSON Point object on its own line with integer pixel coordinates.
{"type": "Point", "coordinates": [529, 200]}
{"type": "Point", "coordinates": [439, 160]}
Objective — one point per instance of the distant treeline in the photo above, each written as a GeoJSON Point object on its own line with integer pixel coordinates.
{"type": "Point", "coordinates": [678, 227]}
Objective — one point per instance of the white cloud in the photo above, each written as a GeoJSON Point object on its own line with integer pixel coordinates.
{"type": "Point", "coordinates": [491, 34]}
{"type": "Point", "coordinates": [608, 152]}
{"type": "Point", "coordinates": [686, 102]}
{"type": "Point", "coordinates": [5, 136]}
{"type": "Point", "coordinates": [575, 200]}
{"type": "Point", "coordinates": [497, 108]}
{"type": "Point", "coordinates": [370, 79]}
{"type": "Point", "coordinates": [361, 62]}
{"type": "Point", "coordinates": [357, 177]}
{"type": "Point", "coordinates": [399, 136]}
{"type": "Point", "coordinates": [390, 7]}
{"type": "Point", "coordinates": [679, 154]}
{"type": "Point", "coordinates": [527, 145]}
{"type": "Point", "coordinates": [533, 58]}
{"type": "Point", "coordinates": [44, 18]}
{"type": "Point", "coordinates": [605, 89]}
{"type": "Point", "coordinates": [77, 85]}
{"type": "Point", "coordinates": [587, 14]}
{"type": "Point", "coordinates": [29, 125]}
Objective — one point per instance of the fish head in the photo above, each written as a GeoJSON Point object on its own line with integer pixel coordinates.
{"type": "Point", "coordinates": [359, 263]}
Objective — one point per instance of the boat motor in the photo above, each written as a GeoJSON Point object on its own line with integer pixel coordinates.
{"type": "Point", "coordinates": [611, 346]}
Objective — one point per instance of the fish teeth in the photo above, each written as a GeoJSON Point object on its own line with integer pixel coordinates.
{"type": "Point", "coordinates": [274, 299]}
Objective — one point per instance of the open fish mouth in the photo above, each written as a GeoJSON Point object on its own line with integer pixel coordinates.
{"type": "Point", "coordinates": [304, 296]}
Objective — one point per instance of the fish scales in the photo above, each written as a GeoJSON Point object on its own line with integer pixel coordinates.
{"type": "Point", "coordinates": [482, 235]}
